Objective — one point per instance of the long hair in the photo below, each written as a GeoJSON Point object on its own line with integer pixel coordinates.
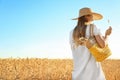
{"type": "Point", "coordinates": [80, 29]}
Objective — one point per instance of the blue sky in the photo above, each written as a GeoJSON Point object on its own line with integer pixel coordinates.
{"type": "Point", "coordinates": [40, 28]}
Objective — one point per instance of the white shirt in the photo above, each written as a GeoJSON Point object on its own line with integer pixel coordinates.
{"type": "Point", "coordinates": [85, 66]}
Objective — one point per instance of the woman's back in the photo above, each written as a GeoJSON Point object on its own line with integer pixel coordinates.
{"type": "Point", "coordinates": [85, 66]}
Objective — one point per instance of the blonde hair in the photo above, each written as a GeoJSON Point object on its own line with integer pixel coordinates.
{"type": "Point", "coordinates": [80, 29]}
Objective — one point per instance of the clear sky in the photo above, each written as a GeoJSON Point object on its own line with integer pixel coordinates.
{"type": "Point", "coordinates": [40, 28]}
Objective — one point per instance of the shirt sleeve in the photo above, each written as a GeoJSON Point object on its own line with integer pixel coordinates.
{"type": "Point", "coordinates": [96, 31]}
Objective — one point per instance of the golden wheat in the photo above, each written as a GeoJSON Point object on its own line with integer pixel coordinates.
{"type": "Point", "coordinates": [48, 69]}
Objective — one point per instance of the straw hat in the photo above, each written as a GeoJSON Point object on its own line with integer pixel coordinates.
{"type": "Point", "coordinates": [86, 11]}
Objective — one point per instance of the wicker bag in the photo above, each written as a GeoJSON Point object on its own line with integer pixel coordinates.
{"type": "Point", "coordinates": [99, 54]}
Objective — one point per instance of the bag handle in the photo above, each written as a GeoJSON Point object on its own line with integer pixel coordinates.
{"type": "Point", "coordinates": [91, 31]}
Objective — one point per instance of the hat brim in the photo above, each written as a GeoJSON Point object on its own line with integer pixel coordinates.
{"type": "Point", "coordinates": [96, 16]}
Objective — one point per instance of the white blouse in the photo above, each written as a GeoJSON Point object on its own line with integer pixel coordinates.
{"type": "Point", "coordinates": [85, 66]}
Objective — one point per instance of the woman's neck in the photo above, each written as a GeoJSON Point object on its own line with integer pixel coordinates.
{"type": "Point", "coordinates": [87, 23]}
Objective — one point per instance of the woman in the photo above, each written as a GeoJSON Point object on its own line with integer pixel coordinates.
{"type": "Point", "coordinates": [85, 66]}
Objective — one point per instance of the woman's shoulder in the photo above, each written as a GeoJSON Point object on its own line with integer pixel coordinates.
{"type": "Point", "coordinates": [96, 30]}
{"type": "Point", "coordinates": [96, 26]}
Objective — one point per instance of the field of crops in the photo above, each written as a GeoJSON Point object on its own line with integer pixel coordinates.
{"type": "Point", "coordinates": [48, 69]}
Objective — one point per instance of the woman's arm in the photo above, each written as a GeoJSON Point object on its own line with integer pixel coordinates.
{"type": "Point", "coordinates": [101, 40]}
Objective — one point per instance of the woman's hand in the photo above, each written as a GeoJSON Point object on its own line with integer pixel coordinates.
{"type": "Point", "coordinates": [88, 44]}
{"type": "Point", "coordinates": [108, 31]}
{"type": "Point", "coordinates": [82, 41]}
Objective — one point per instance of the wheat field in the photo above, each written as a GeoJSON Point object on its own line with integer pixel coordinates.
{"type": "Point", "coordinates": [48, 69]}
